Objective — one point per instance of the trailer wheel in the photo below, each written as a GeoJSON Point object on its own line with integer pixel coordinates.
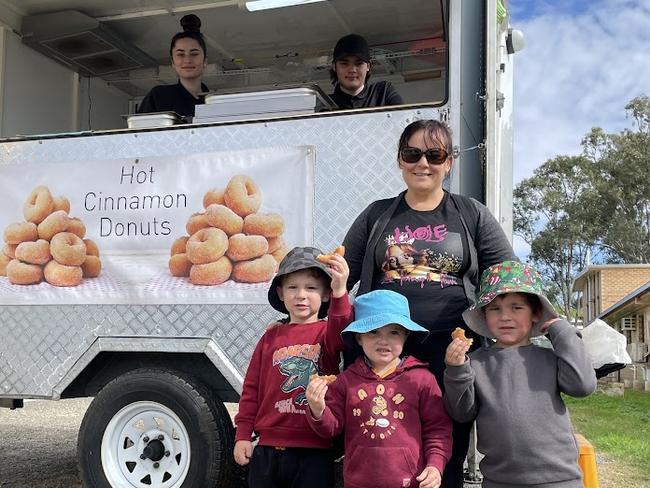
{"type": "Point", "coordinates": [155, 428]}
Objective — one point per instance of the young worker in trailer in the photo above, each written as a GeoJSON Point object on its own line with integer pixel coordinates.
{"type": "Point", "coordinates": [188, 53]}
{"type": "Point", "coordinates": [350, 73]}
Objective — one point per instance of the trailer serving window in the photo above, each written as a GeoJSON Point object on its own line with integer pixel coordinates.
{"type": "Point", "coordinates": [259, 50]}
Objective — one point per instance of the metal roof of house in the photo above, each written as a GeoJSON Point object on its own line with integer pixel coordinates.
{"type": "Point", "coordinates": [628, 305]}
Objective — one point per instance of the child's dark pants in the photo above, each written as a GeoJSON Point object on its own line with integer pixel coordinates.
{"type": "Point", "coordinates": [291, 467]}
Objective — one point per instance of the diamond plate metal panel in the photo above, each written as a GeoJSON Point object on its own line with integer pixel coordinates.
{"type": "Point", "coordinates": [355, 164]}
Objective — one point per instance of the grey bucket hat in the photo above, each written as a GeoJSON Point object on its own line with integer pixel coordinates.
{"type": "Point", "coordinates": [297, 259]}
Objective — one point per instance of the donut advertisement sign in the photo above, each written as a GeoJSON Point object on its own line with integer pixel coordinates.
{"type": "Point", "coordinates": [204, 228]}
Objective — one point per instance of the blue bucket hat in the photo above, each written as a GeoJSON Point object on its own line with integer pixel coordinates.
{"type": "Point", "coordinates": [379, 308]}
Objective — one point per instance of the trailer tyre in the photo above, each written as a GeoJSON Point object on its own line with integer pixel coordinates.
{"type": "Point", "coordinates": [155, 428]}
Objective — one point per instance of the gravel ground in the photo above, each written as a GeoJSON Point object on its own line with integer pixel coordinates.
{"type": "Point", "coordinates": [39, 444]}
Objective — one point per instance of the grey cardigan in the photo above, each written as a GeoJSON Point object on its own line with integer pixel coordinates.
{"type": "Point", "coordinates": [487, 242]}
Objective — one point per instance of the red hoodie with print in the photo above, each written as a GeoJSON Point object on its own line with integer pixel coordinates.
{"type": "Point", "coordinates": [273, 402]}
{"type": "Point", "coordinates": [394, 426]}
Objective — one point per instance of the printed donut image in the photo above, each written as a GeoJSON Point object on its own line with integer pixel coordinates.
{"type": "Point", "coordinates": [77, 227]}
{"type": "Point", "coordinates": [53, 224]}
{"type": "Point", "coordinates": [10, 250]}
{"type": "Point", "coordinates": [275, 243]}
{"type": "Point", "coordinates": [61, 203]}
{"type": "Point", "coordinates": [242, 195]}
{"type": "Point", "coordinates": [196, 222]}
{"type": "Point", "coordinates": [180, 265]}
{"type": "Point", "coordinates": [34, 252]}
{"type": "Point", "coordinates": [91, 267]}
{"type": "Point", "coordinates": [61, 275]}
{"type": "Point", "coordinates": [215, 195]}
{"type": "Point", "coordinates": [48, 236]}
{"type": "Point", "coordinates": [280, 253]}
{"type": "Point", "coordinates": [207, 245]}
{"type": "Point", "coordinates": [242, 247]}
{"type": "Point", "coordinates": [4, 261]}
{"type": "Point", "coordinates": [68, 249]}
{"type": "Point", "coordinates": [21, 232]}
{"type": "Point", "coordinates": [256, 270]}
{"type": "Point", "coordinates": [24, 273]}
{"type": "Point", "coordinates": [39, 205]}
{"type": "Point", "coordinates": [91, 248]}
{"type": "Point", "coordinates": [267, 225]}
{"type": "Point", "coordinates": [179, 245]}
{"type": "Point", "coordinates": [253, 246]}
{"type": "Point", "coordinates": [211, 273]}
{"type": "Point", "coordinates": [223, 218]}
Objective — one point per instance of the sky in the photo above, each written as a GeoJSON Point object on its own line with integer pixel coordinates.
{"type": "Point", "coordinates": [583, 61]}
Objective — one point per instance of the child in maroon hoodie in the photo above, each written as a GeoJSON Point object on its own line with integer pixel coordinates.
{"type": "Point", "coordinates": [397, 433]}
{"type": "Point", "coordinates": [273, 402]}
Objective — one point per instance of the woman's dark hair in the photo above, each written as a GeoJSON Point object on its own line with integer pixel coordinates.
{"type": "Point", "coordinates": [436, 130]}
{"type": "Point", "coordinates": [192, 30]}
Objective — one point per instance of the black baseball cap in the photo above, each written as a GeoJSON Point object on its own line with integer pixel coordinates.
{"type": "Point", "coordinates": [352, 45]}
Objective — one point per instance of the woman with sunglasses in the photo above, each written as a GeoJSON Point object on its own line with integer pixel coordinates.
{"type": "Point", "coordinates": [188, 56]}
{"type": "Point", "coordinates": [454, 238]}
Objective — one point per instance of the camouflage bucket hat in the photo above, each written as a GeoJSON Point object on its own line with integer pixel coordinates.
{"type": "Point", "coordinates": [508, 277]}
{"type": "Point", "coordinates": [297, 259]}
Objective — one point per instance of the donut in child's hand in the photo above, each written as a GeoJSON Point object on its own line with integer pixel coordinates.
{"type": "Point", "coordinates": [326, 258]}
{"type": "Point", "coordinates": [459, 333]}
{"type": "Point", "coordinates": [329, 378]}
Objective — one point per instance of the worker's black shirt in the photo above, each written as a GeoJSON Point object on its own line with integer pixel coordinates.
{"type": "Point", "coordinates": [374, 95]}
{"type": "Point", "coordinates": [171, 98]}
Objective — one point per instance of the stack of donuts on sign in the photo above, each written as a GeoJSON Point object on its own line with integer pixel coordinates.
{"type": "Point", "coordinates": [49, 245]}
{"type": "Point", "coordinates": [230, 239]}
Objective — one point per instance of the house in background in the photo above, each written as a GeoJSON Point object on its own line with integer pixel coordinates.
{"type": "Point", "coordinates": [619, 294]}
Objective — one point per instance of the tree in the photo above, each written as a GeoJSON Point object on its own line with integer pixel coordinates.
{"type": "Point", "coordinates": [555, 213]}
{"type": "Point", "coordinates": [623, 162]}
{"type": "Point", "coordinates": [594, 204]}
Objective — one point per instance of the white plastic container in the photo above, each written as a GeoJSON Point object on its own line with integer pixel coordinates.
{"type": "Point", "coordinates": [261, 104]}
{"type": "Point", "coordinates": [158, 119]}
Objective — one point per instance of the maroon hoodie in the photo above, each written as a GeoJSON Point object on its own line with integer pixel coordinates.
{"type": "Point", "coordinates": [394, 427]}
{"type": "Point", "coordinates": [273, 401]}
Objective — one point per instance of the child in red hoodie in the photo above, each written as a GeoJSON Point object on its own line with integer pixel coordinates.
{"type": "Point", "coordinates": [397, 433]}
{"type": "Point", "coordinates": [273, 402]}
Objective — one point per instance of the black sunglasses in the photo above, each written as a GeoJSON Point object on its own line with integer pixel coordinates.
{"type": "Point", "coordinates": [412, 155]}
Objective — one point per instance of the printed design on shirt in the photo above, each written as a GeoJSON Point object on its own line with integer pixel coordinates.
{"type": "Point", "coordinates": [297, 363]}
{"type": "Point", "coordinates": [420, 256]}
{"type": "Point", "coordinates": [379, 410]}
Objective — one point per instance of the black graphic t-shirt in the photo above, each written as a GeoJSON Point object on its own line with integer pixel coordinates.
{"type": "Point", "coordinates": [423, 255]}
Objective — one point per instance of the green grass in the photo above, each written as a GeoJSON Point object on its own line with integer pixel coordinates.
{"type": "Point", "coordinates": [618, 427]}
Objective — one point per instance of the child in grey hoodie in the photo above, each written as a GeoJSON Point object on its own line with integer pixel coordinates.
{"type": "Point", "coordinates": [512, 388]}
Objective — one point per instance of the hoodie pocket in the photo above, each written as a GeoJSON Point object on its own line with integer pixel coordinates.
{"type": "Point", "coordinates": [381, 467]}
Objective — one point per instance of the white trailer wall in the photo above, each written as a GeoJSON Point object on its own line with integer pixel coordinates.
{"type": "Point", "coordinates": [41, 96]}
